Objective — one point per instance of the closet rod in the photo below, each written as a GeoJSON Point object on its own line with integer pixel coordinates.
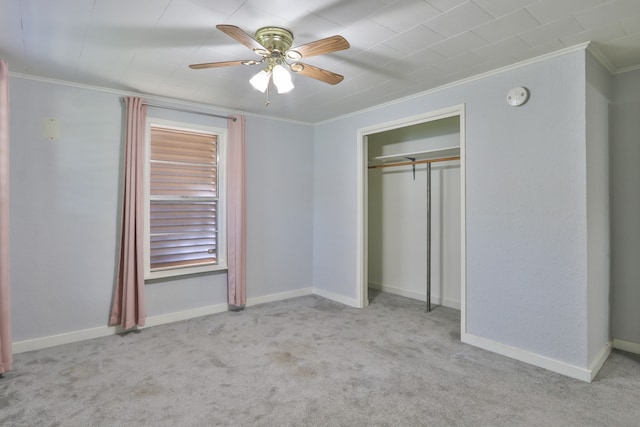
{"type": "Point", "coordinates": [428, 237]}
{"type": "Point", "coordinates": [417, 162]}
{"type": "Point", "coordinates": [189, 111]}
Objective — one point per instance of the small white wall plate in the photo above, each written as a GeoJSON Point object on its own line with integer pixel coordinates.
{"type": "Point", "coordinates": [517, 96]}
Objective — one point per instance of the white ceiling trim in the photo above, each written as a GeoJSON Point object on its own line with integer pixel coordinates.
{"type": "Point", "coordinates": [213, 108]}
{"type": "Point", "coordinates": [599, 56]}
{"type": "Point", "coordinates": [627, 69]}
{"type": "Point", "coordinates": [541, 58]}
{"type": "Point", "coordinates": [602, 59]}
{"type": "Point", "coordinates": [165, 101]}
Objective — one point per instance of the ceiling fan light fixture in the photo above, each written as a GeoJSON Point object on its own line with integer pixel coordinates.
{"type": "Point", "coordinates": [294, 55]}
{"type": "Point", "coordinates": [282, 79]}
{"type": "Point", "coordinates": [260, 81]}
{"type": "Point", "coordinates": [262, 52]}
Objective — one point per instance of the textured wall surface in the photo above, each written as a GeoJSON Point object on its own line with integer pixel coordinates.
{"type": "Point", "coordinates": [625, 207]}
{"type": "Point", "coordinates": [65, 208]}
{"type": "Point", "coordinates": [525, 205]}
{"type": "Point", "coordinates": [599, 93]}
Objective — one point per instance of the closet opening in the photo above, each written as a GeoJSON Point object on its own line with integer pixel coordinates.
{"type": "Point", "coordinates": [411, 209]}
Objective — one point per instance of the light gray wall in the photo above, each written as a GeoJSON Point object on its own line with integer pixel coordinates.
{"type": "Point", "coordinates": [625, 207]}
{"type": "Point", "coordinates": [65, 205]}
{"type": "Point", "coordinates": [397, 212]}
{"type": "Point", "coordinates": [279, 206]}
{"type": "Point", "coordinates": [525, 205]}
{"type": "Point", "coordinates": [598, 94]}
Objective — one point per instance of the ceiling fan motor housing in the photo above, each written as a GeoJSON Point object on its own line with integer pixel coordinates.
{"type": "Point", "coordinates": [274, 39]}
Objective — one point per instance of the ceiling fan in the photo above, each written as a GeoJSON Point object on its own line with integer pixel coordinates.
{"type": "Point", "coordinates": [273, 44]}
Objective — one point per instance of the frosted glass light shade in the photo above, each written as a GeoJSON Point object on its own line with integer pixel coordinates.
{"type": "Point", "coordinates": [260, 81]}
{"type": "Point", "coordinates": [282, 79]}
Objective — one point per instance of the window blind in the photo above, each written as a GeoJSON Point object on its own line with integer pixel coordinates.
{"type": "Point", "coordinates": [183, 198]}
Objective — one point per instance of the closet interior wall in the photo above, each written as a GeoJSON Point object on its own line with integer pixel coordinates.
{"type": "Point", "coordinates": [397, 215]}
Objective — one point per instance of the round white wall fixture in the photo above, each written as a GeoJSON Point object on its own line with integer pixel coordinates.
{"type": "Point", "coordinates": [517, 96]}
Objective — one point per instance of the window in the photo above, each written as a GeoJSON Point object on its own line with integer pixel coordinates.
{"type": "Point", "coordinates": [185, 190]}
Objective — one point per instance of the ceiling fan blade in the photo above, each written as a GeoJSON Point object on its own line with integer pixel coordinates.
{"type": "Point", "coordinates": [221, 64]}
{"type": "Point", "coordinates": [240, 36]}
{"type": "Point", "coordinates": [320, 74]}
{"type": "Point", "coordinates": [321, 47]}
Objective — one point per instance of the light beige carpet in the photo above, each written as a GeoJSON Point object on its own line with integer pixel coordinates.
{"type": "Point", "coordinates": [308, 362]}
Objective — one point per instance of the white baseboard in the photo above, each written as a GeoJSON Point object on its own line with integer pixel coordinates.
{"type": "Point", "coordinates": [66, 338]}
{"type": "Point", "coordinates": [279, 296]}
{"type": "Point", "coordinates": [594, 367]}
{"type": "Point", "coordinates": [415, 295]}
{"type": "Point", "coordinates": [631, 347]}
{"type": "Point", "coordinates": [351, 302]}
{"type": "Point", "coordinates": [103, 331]}
{"type": "Point", "coordinates": [193, 313]}
{"type": "Point", "coordinates": [553, 365]}
{"type": "Point", "coordinates": [150, 321]}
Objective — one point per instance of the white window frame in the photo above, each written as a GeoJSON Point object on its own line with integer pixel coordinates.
{"type": "Point", "coordinates": [221, 264]}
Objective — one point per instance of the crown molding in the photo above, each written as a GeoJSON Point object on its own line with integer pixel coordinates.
{"type": "Point", "coordinates": [165, 101]}
{"type": "Point", "coordinates": [602, 59]}
{"type": "Point", "coordinates": [628, 69]}
{"type": "Point", "coordinates": [561, 52]}
{"type": "Point", "coordinates": [586, 46]}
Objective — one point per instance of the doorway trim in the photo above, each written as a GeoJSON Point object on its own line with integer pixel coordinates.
{"type": "Point", "coordinates": [362, 297]}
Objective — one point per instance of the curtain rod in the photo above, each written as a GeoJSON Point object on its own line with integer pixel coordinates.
{"type": "Point", "coordinates": [416, 162]}
{"type": "Point", "coordinates": [189, 111]}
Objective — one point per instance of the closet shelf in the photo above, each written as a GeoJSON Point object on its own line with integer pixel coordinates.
{"type": "Point", "coordinates": [416, 158]}
{"type": "Point", "coordinates": [420, 155]}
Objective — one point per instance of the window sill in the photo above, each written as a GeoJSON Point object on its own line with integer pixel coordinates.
{"type": "Point", "coordinates": [184, 271]}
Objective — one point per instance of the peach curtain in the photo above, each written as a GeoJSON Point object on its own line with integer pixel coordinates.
{"type": "Point", "coordinates": [236, 214]}
{"type": "Point", "coordinates": [6, 353]}
{"type": "Point", "coordinates": [128, 302]}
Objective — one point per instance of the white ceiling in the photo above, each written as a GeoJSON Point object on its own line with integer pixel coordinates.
{"type": "Point", "coordinates": [398, 47]}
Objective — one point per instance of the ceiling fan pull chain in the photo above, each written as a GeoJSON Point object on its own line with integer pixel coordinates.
{"type": "Point", "coordinates": [266, 104]}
